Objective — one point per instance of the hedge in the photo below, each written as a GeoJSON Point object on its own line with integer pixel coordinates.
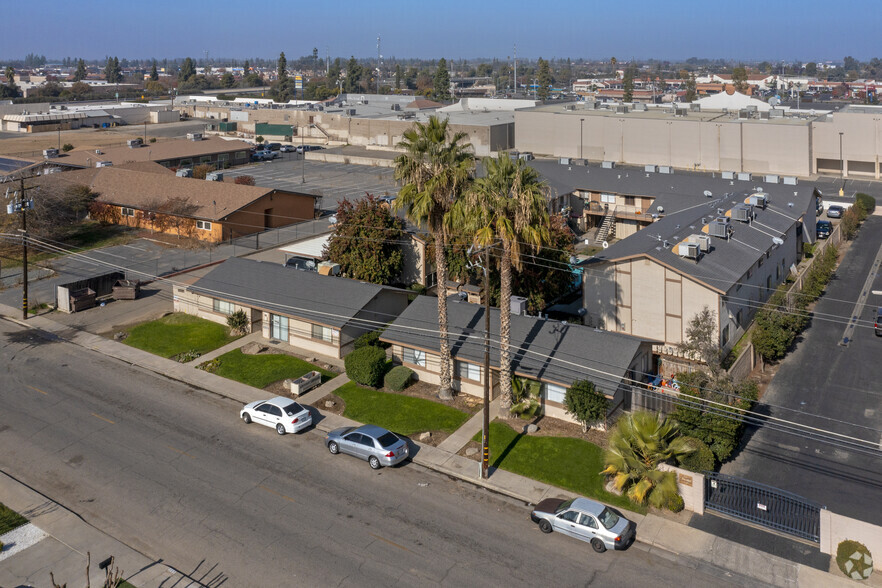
{"type": "Point", "coordinates": [366, 366]}
{"type": "Point", "coordinates": [369, 339]}
{"type": "Point", "coordinates": [867, 202]}
{"type": "Point", "coordinates": [398, 378]}
{"type": "Point", "coordinates": [701, 460]}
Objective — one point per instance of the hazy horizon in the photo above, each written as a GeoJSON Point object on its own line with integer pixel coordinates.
{"type": "Point", "coordinates": [754, 31]}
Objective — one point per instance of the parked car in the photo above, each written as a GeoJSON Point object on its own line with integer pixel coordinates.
{"type": "Point", "coordinates": [823, 229]}
{"type": "Point", "coordinates": [264, 155]}
{"type": "Point", "coordinates": [281, 413]}
{"type": "Point", "coordinates": [288, 149]}
{"type": "Point", "coordinates": [599, 525]}
{"type": "Point", "coordinates": [835, 211]}
{"type": "Point", "coordinates": [375, 444]}
{"type": "Point", "coordinates": [878, 325]}
{"type": "Point", "coordinates": [274, 146]}
{"type": "Point", "coordinates": [305, 148]}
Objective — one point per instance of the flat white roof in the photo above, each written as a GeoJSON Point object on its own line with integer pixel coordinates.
{"type": "Point", "coordinates": [311, 247]}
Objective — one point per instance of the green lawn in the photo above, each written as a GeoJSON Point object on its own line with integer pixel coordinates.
{"type": "Point", "coordinates": [178, 333]}
{"type": "Point", "coordinates": [9, 519]}
{"type": "Point", "coordinates": [405, 415]}
{"type": "Point", "coordinates": [262, 370]}
{"type": "Point", "coordinates": [565, 462]}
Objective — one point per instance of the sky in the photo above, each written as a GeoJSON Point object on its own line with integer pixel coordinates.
{"type": "Point", "coordinates": [748, 30]}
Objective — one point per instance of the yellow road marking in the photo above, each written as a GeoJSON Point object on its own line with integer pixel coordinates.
{"type": "Point", "coordinates": [37, 390]}
{"type": "Point", "coordinates": [103, 419]}
{"type": "Point", "coordinates": [179, 451]}
{"type": "Point", "coordinates": [392, 543]}
{"type": "Point", "coordinates": [271, 491]}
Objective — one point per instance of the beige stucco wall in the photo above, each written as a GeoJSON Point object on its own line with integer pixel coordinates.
{"type": "Point", "coordinates": [836, 528]}
{"type": "Point", "coordinates": [690, 485]}
{"type": "Point", "coordinates": [861, 142]}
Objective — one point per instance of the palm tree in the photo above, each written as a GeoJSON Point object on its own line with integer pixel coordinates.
{"type": "Point", "coordinates": [435, 168]}
{"type": "Point", "coordinates": [508, 205]}
{"type": "Point", "coordinates": [640, 442]}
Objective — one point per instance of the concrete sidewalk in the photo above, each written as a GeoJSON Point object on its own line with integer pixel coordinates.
{"type": "Point", "coordinates": [657, 534]}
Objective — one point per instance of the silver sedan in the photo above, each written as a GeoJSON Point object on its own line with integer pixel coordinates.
{"type": "Point", "coordinates": [281, 413]}
{"type": "Point", "coordinates": [370, 442]}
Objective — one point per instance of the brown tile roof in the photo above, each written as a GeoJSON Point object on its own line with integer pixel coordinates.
{"type": "Point", "coordinates": [161, 151]}
{"type": "Point", "coordinates": [424, 104]}
{"type": "Point", "coordinates": [147, 167]}
{"type": "Point", "coordinates": [142, 190]}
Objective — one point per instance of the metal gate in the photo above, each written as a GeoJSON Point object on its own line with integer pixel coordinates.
{"type": "Point", "coordinates": [763, 505]}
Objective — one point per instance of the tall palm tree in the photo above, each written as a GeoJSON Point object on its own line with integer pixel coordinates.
{"type": "Point", "coordinates": [507, 205]}
{"type": "Point", "coordinates": [436, 169]}
{"type": "Point", "coordinates": [640, 442]}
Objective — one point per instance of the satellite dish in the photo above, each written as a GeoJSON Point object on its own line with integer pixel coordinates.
{"type": "Point", "coordinates": [708, 193]}
{"type": "Point", "coordinates": [777, 240]}
{"type": "Point", "coordinates": [605, 244]}
{"type": "Point", "coordinates": [660, 208]}
{"type": "Point", "coordinates": [332, 220]}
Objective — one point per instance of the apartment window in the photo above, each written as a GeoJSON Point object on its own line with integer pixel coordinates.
{"type": "Point", "coordinates": [724, 337]}
{"type": "Point", "coordinates": [739, 316]}
{"type": "Point", "coordinates": [205, 159]}
{"type": "Point", "coordinates": [204, 225]}
{"type": "Point", "coordinates": [241, 155]}
{"type": "Point", "coordinates": [630, 201]}
{"type": "Point", "coordinates": [185, 163]}
{"type": "Point", "coordinates": [760, 262]}
{"type": "Point", "coordinates": [608, 198]}
{"type": "Point", "coordinates": [321, 333]}
{"type": "Point", "coordinates": [468, 371]}
{"type": "Point", "coordinates": [414, 356]}
{"type": "Point", "coordinates": [128, 211]}
{"type": "Point", "coordinates": [554, 393]}
{"type": "Point", "coordinates": [769, 283]}
{"type": "Point", "coordinates": [223, 307]}
{"type": "Point", "coordinates": [223, 157]}
{"type": "Point", "coordinates": [165, 163]}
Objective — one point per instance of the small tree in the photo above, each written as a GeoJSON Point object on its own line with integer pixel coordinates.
{"type": "Point", "coordinates": [586, 403]}
{"type": "Point", "coordinates": [441, 81]}
{"type": "Point", "coordinates": [525, 396]}
{"type": "Point", "coordinates": [259, 138]}
{"type": "Point", "coordinates": [238, 322]}
{"type": "Point", "coordinates": [701, 340]}
{"type": "Point", "coordinates": [366, 366]}
{"type": "Point", "coordinates": [628, 84]}
{"type": "Point", "coordinates": [201, 171]}
{"type": "Point", "coordinates": [244, 180]}
{"type": "Point", "coordinates": [67, 147]}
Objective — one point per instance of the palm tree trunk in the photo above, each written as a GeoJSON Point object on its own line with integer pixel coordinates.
{"type": "Point", "coordinates": [445, 392]}
{"type": "Point", "coordinates": [505, 329]}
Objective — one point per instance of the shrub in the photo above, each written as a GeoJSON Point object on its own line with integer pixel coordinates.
{"type": "Point", "coordinates": [258, 139]}
{"type": "Point", "coordinates": [238, 322]}
{"type": "Point", "coordinates": [67, 147]}
{"type": "Point", "coordinates": [187, 356]}
{"type": "Point", "coordinates": [866, 201]}
{"type": "Point", "coordinates": [244, 180]}
{"type": "Point", "coordinates": [398, 378]}
{"type": "Point", "coordinates": [586, 403]}
{"type": "Point", "coordinates": [371, 339]}
{"type": "Point", "coordinates": [675, 503]}
{"type": "Point", "coordinates": [850, 222]}
{"type": "Point", "coordinates": [210, 366]}
{"type": "Point", "coordinates": [366, 366]}
{"type": "Point", "coordinates": [152, 140]}
{"type": "Point", "coordinates": [701, 460]}
{"type": "Point", "coordinates": [858, 568]}
{"type": "Point", "coordinates": [525, 397]}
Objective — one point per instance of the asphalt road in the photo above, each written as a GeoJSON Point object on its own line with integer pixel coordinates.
{"type": "Point", "coordinates": [172, 472]}
{"type": "Point", "coordinates": [834, 388]}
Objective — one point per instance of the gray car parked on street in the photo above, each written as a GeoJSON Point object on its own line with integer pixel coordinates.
{"type": "Point", "coordinates": [587, 520]}
{"type": "Point", "coordinates": [370, 442]}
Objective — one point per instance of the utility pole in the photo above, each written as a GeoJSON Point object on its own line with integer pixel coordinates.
{"type": "Point", "coordinates": [485, 436]}
{"type": "Point", "coordinates": [21, 203]}
{"type": "Point", "coordinates": [516, 70]}
{"type": "Point", "coordinates": [378, 64]}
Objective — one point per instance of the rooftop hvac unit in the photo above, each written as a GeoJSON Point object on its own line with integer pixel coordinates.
{"type": "Point", "coordinates": [650, 168]}
{"type": "Point", "coordinates": [728, 175]}
{"type": "Point", "coordinates": [350, 112]}
{"type": "Point", "coordinates": [679, 111]}
{"type": "Point", "coordinates": [790, 180]}
{"type": "Point", "coordinates": [743, 113]}
{"type": "Point", "coordinates": [703, 242]}
{"type": "Point", "coordinates": [758, 200]}
{"type": "Point", "coordinates": [518, 305]}
{"type": "Point", "coordinates": [184, 172]}
{"type": "Point", "coordinates": [132, 143]}
{"type": "Point", "coordinates": [396, 106]}
{"type": "Point", "coordinates": [569, 107]}
{"type": "Point", "coordinates": [771, 179]}
{"type": "Point", "coordinates": [514, 155]}
{"type": "Point", "coordinates": [744, 176]}
{"type": "Point", "coordinates": [52, 170]}
{"type": "Point", "coordinates": [582, 162]}
{"type": "Point", "coordinates": [49, 153]}
{"type": "Point", "coordinates": [194, 136]}
{"type": "Point", "coordinates": [526, 156]}
{"type": "Point", "coordinates": [695, 107]}
{"type": "Point", "coordinates": [621, 109]}
{"type": "Point", "coordinates": [665, 169]}
{"type": "Point", "coordinates": [764, 115]}
{"type": "Point", "coordinates": [742, 213]}
{"type": "Point", "coordinates": [688, 250]}
{"type": "Point", "coordinates": [776, 113]}
{"type": "Point", "coordinates": [214, 176]}
{"type": "Point", "coordinates": [639, 107]}
{"type": "Point", "coordinates": [608, 164]}
{"type": "Point", "coordinates": [103, 164]}
{"type": "Point", "coordinates": [719, 227]}
{"type": "Point", "coordinates": [565, 161]}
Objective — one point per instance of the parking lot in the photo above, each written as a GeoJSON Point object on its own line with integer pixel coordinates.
{"type": "Point", "coordinates": [331, 181]}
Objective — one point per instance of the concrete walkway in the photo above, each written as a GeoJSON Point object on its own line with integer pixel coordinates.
{"type": "Point", "coordinates": [240, 342]}
{"type": "Point", "coordinates": [658, 535]}
{"type": "Point", "coordinates": [460, 437]}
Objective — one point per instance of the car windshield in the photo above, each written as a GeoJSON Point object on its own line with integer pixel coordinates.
{"type": "Point", "coordinates": [292, 409]}
{"type": "Point", "coordinates": [387, 440]}
{"type": "Point", "coordinates": [564, 506]}
{"type": "Point", "coordinates": [608, 518]}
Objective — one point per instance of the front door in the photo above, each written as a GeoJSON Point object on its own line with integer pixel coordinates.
{"type": "Point", "coordinates": [279, 327]}
{"type": "Point", "coordinates": [268, 218]}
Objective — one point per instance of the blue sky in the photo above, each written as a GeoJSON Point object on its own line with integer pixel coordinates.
{"type": "Point", "coordinates": [746, 30]}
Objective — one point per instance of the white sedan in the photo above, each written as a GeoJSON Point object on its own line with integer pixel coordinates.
{"type": "Point", "coordinates": [285, 415]}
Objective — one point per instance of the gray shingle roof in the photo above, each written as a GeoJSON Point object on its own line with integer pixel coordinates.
{"type": "Point", "coordinates": [574, 350]}
{"type": "Point", "coordinates": [325, 300]}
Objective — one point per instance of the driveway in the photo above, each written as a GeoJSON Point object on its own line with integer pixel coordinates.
{"type": "Point", "coordinates": [834, 388]}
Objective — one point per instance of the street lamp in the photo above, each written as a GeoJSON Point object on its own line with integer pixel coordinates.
{"type": "Point", "coordinates": [841, 165]}
{"type": "Point", "coordinates": [581, 120]}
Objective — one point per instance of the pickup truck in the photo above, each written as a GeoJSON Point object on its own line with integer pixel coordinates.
{"type": "Point", "coordinates": [264, 155]}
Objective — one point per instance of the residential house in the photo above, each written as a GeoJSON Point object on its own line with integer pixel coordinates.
{"type": "Point", "coordinates": [319, 314]}
{"type": "Point", "coordinates": [554, 353]}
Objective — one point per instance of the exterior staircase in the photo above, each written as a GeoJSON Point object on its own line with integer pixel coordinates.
{"type": "Point", "coordinates": [607, 227]}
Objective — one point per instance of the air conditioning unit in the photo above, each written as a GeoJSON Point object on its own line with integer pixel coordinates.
{"type": "Point", "coordinates": [742, 213]}
{"type": "Point", "coordinates": [518, 305]}
{"type": "Point", "coordinates": [194, 136]}
{"type": "Point", "coordinates": [132, 143]}
{"type": "Point", "coordinates": [771, 179]}
{"type": "Point", "coordinates": [350, 112]}
{"type": "Point", "coordinates": [621, 109]}
{"type": "Point", "coordinates": [790, 180]}
{"type": "Point", "coordinates": [608, 164]}
{"type": "Point", "coordinates": [704, 242]}
{"type": "Point", "coordinates": [689, 250]}
{"type": "Point", "coordinates": [744, 176]}
{"type": "Point", "coordinates": [665, 169]}
{"type": "Point", "coordinates": [728, 175]}
{"type": "Point", "coordinates": [650, 168]}
{"type": "Point", "coordinates": [184, 172]}
{"type": "Point", "coordinates": [215, 176]}
{"type": "Point", "coordinates": [526, 156]}
{"type": "Point", "coordinates": [103, 164]}
{"type": "Point", "coordinates": [396, 106]}
{"type": "Point", "coordinates": [50, 153]}
{"type": "Point", "coordinates": [582, 162]}
{"type": "Point", "coordinates": [719, 227]}
{"type": "Point", "coordinates": [758, 200]}
{"type": "Point", "coordinates": [565, 161]}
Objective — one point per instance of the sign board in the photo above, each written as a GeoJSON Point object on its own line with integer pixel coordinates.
{"type": "Point", "coordinates": [298, 82]}
{"type": "Point", "coordinates": [685, 480]}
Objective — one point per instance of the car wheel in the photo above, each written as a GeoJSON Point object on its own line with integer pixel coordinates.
{"type": "Point", "coordinates": [375, 463]}
{"type": "Point", "coordinates": [545, 526]}
{"type": "Point", "coordinates": [598, 545]}
{"type": "Point", "coordinates": [333, 448]}
{"type": "Point", "coordinates": [280, 429]}
{"type": "Point", "coordinates": [247, 418]}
